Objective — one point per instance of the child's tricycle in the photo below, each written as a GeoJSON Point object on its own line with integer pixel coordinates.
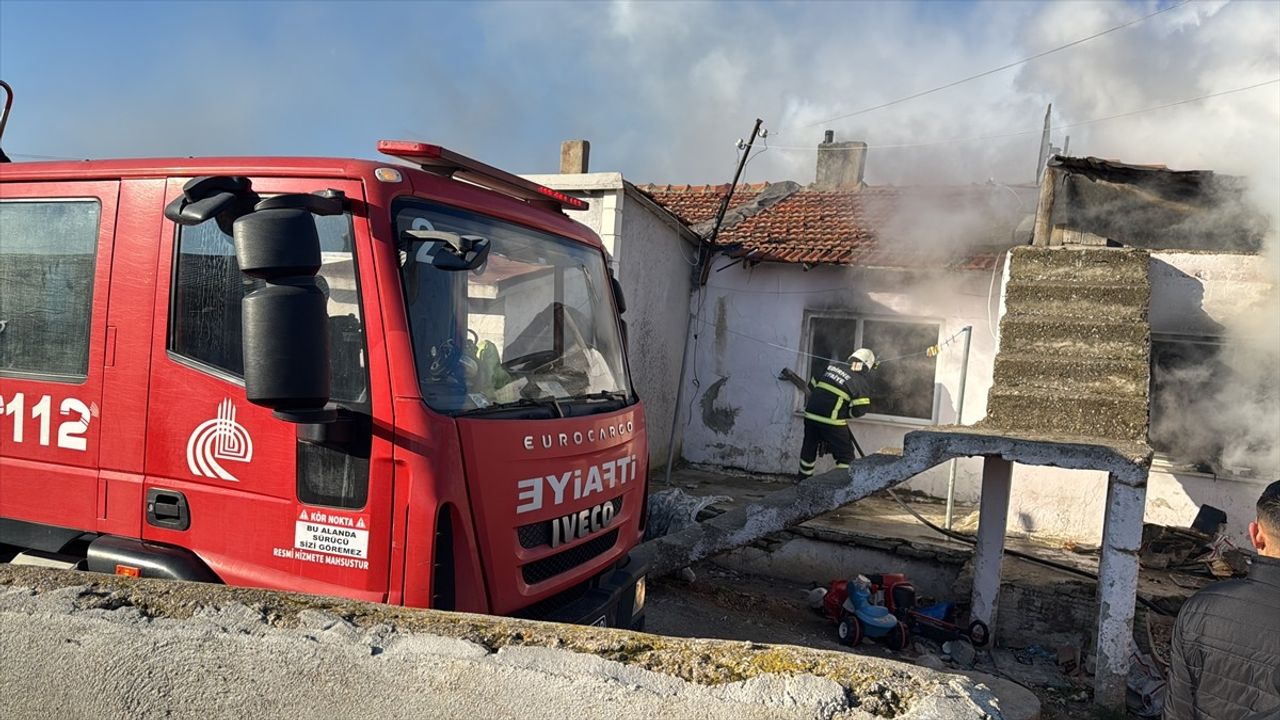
{"type": "Point", "coordinates": [936, 622]}
{"type": "Point", "coordinates": [848, 603]}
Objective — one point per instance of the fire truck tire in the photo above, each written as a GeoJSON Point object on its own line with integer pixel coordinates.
{"type": "Point", "coordinates": [849, 630]}
{"type": "Point", "coordinates": [979, 633]}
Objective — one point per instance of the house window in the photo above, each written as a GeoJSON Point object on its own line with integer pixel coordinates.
{"type": "Point", "coordinates": [1186, 377]}
{"type": "Point", "coordinates": [904, 387]}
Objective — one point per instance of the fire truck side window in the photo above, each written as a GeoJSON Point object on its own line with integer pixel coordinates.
{"type": "Point", "coordinates": [204, 324]}
{"type": "Point", "coordinates": [46, 275]}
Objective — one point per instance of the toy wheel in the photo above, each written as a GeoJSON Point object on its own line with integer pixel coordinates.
{"type": "Point", "coordinates": [849, 630]}
{"type": "Point", "coordinates": [898, 638]}
{"type": "Point", "coordinates": [979, 633]}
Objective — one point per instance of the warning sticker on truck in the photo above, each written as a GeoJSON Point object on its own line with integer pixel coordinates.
{"type": "Point", "coordinates": [332, 539]}
{"type": "Point", "coordinates": [328, 538]}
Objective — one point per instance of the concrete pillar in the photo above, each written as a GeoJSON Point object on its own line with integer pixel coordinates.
{"type": "Point", "coordinates": [993, 513]}
{"type": "Point", "coordinates": [1118, 586]}
{"type": "Point", "coordinates": [575, 156]}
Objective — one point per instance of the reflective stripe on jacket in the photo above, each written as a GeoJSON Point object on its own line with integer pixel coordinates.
{"type": "Point", "coordinates": [837, 395]}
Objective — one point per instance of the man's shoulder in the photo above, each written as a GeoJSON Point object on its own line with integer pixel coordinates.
{"type": "Point", "coordinates": [1240, 600]}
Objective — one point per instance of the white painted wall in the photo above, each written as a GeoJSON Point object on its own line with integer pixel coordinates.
{"type": "Point", "coordinates": [744, 418]}
{"type": "Point", "coordinates": [649, 251]}
{"type": "Point", "coordinates": [655, 273]}
{"type": "Point", "coordinates": [752, 324]}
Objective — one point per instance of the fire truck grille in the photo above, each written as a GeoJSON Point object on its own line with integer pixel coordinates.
{"type": "Point", "coordinates": [538, 534]}
{"type": "Point", "coordinates": [549, 567]}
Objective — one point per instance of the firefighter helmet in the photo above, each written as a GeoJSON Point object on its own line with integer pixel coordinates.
{"type": "Point", "coordinates": [864, 356]}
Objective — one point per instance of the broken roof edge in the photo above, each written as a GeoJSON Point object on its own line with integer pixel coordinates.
{"type": "Point", "coordinates": [771, 195]}
{"type": "Point", "coordinates": [752, 257]}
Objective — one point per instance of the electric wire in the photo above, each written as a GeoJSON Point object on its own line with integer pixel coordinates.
{"type": "Point", "coordinates": [1036, 131]}
{"type": "Point", "coordinates": [44, 157]}
{"type": "Point", "coordinates": [932, 350]}
{"type": "Point", "coordinates": [971, 540]}
{"type": "Point", "coordinates": [1002, 68]}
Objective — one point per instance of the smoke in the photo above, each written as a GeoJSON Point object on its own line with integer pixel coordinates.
{"type": "Point", "coordinates": [952, 225]}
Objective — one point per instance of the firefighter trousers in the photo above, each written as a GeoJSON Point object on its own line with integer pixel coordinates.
{"type": "Point", "coordinates": [834, 438]}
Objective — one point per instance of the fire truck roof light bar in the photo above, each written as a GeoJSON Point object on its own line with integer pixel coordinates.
{"type": "Point", "coordinates": [436, 159]}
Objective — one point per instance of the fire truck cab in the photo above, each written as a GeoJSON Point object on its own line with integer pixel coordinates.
{"type": "Point", "coordinates": [400, 382]}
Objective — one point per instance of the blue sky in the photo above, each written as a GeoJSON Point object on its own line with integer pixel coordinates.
{"type": "Point", "coordinates": [663, 90]}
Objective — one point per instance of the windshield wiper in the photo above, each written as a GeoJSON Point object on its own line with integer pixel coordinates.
{"type": "Point", "coordinates": [548, 402]}
{"type": "Point", "coordinates": [615, 395]}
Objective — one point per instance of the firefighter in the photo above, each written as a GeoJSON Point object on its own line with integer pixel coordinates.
{"type": "Point", "coordinates": [840, 393]}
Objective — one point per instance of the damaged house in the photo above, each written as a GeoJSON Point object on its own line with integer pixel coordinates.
{"type": "Point", "coordinates": [807, 273]}
{"type": "Point", "coordinates": [803, 273]}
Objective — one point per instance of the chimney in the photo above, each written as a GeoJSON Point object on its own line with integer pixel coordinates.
{"type": "Point", "coordinates": [840, 164]}
{"type": "Point", "coordinates": [574, 155]}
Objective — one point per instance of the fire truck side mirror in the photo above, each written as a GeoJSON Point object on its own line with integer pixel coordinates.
{"type": "Point", "coordinates": [285, 322]}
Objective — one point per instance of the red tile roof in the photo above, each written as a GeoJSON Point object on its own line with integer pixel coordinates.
{"type": "Point", "coordinates": [863, 226]}
{"type": "Point", "coordinates": [698, 203]}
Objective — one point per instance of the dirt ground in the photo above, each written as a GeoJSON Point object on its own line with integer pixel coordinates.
{"type": "Point", "coordinates": [726, 605]}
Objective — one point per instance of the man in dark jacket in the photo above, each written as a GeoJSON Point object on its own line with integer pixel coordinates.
{"type": "Point", "coordinates": [1225, 662]}
{"type": "Point", "coordinates": [841, 392]}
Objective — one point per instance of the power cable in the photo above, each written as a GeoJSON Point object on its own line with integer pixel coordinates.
{"type": "Point", "coordinates": [1006, 66]}
{"type": "Point", "coordinates": [932, 350]}
{"type": "Point", "coordinates": [1017, 133]}
{"type": "Point", "coordinates": [45, 157]}
{"type": "Point", "coordinates": [971, 540]}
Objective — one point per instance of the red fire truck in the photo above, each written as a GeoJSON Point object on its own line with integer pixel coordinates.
{"type": "Point", "coordinates": [388, 382]}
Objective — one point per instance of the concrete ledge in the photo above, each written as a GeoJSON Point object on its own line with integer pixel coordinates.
{"type": "Point", "coordinates": [101, 646]}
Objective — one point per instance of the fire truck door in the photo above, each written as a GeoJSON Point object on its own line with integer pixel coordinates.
{"type": "Point", "coordinates": [55, 264]}
{"type": "Point", "coordinates": [234, 484]}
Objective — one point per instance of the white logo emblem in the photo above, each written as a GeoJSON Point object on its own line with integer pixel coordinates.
{"type": "Point", "coordinates": [221, 438]}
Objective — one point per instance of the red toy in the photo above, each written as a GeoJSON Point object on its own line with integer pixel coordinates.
{"type": "Point", "coordinates": [936, 622]}
{"type": "Point", "coordinates": [849, 603]}
{"type": "Point", "coordinates": [893, 594]}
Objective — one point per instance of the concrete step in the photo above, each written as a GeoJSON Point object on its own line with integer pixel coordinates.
{"type": "Point", "coordinates": [1094, 339]}
{"type": "Point", "coordinates": [1084, 265]}
{"type": "Point", "coordinates": [1069, 413]}
{"type": "Point", "coordinates": [1116, 301]}
{"type": "Point", "coordinates": [1122, 378]}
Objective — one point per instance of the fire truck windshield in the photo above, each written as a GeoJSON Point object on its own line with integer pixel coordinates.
{"type": "Point", "coordinates": [532, 328]}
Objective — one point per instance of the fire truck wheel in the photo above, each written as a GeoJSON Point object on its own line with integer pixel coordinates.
{"type": "Point", "coordinates": [979, 633]}
{"type": "Point", "coordinates": [849, 630]}
{"type": "Point", "coordinates": [898, 638]}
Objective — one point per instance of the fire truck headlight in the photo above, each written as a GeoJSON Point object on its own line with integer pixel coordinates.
{"type": "Point", "coordinates": [638, 604]}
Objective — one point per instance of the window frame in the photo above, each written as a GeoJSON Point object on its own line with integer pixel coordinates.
{"type": "Point", "coordinates": [229, 377]}
{"type": "Point", "coordinates": [860, 319]}
{"type": "Point", "coordinates": [403, 201]}
{"type": "Point", "coordinates": [99, 254]}
{"type": "Point", "coordinates": [1161, 460]}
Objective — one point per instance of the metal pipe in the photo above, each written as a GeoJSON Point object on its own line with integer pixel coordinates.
{"type": "Point", "coordinates": [964, 375]}
{"type": "Point", "coordinates": [684, 361]}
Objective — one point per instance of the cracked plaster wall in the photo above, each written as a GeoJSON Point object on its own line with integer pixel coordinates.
{"type": "Point", "coordinates": [1192, 293]}
{"type": "Point", "coordinates": [744, 418]}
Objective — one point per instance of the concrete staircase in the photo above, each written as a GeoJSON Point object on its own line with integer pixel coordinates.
{"type": "Point", "coordinates": [1074, 345]}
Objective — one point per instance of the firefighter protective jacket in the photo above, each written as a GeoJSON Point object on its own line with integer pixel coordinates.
{"type": "Point", "coordinates": [837, 395]}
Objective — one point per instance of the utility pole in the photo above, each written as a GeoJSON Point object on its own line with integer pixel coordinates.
{"type": "Point", "coordinates": [1043, 157]}
{"type": "Point", "coordinates": [706, 251]}
{"type": "Point", "coordinates": [709, 245]}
